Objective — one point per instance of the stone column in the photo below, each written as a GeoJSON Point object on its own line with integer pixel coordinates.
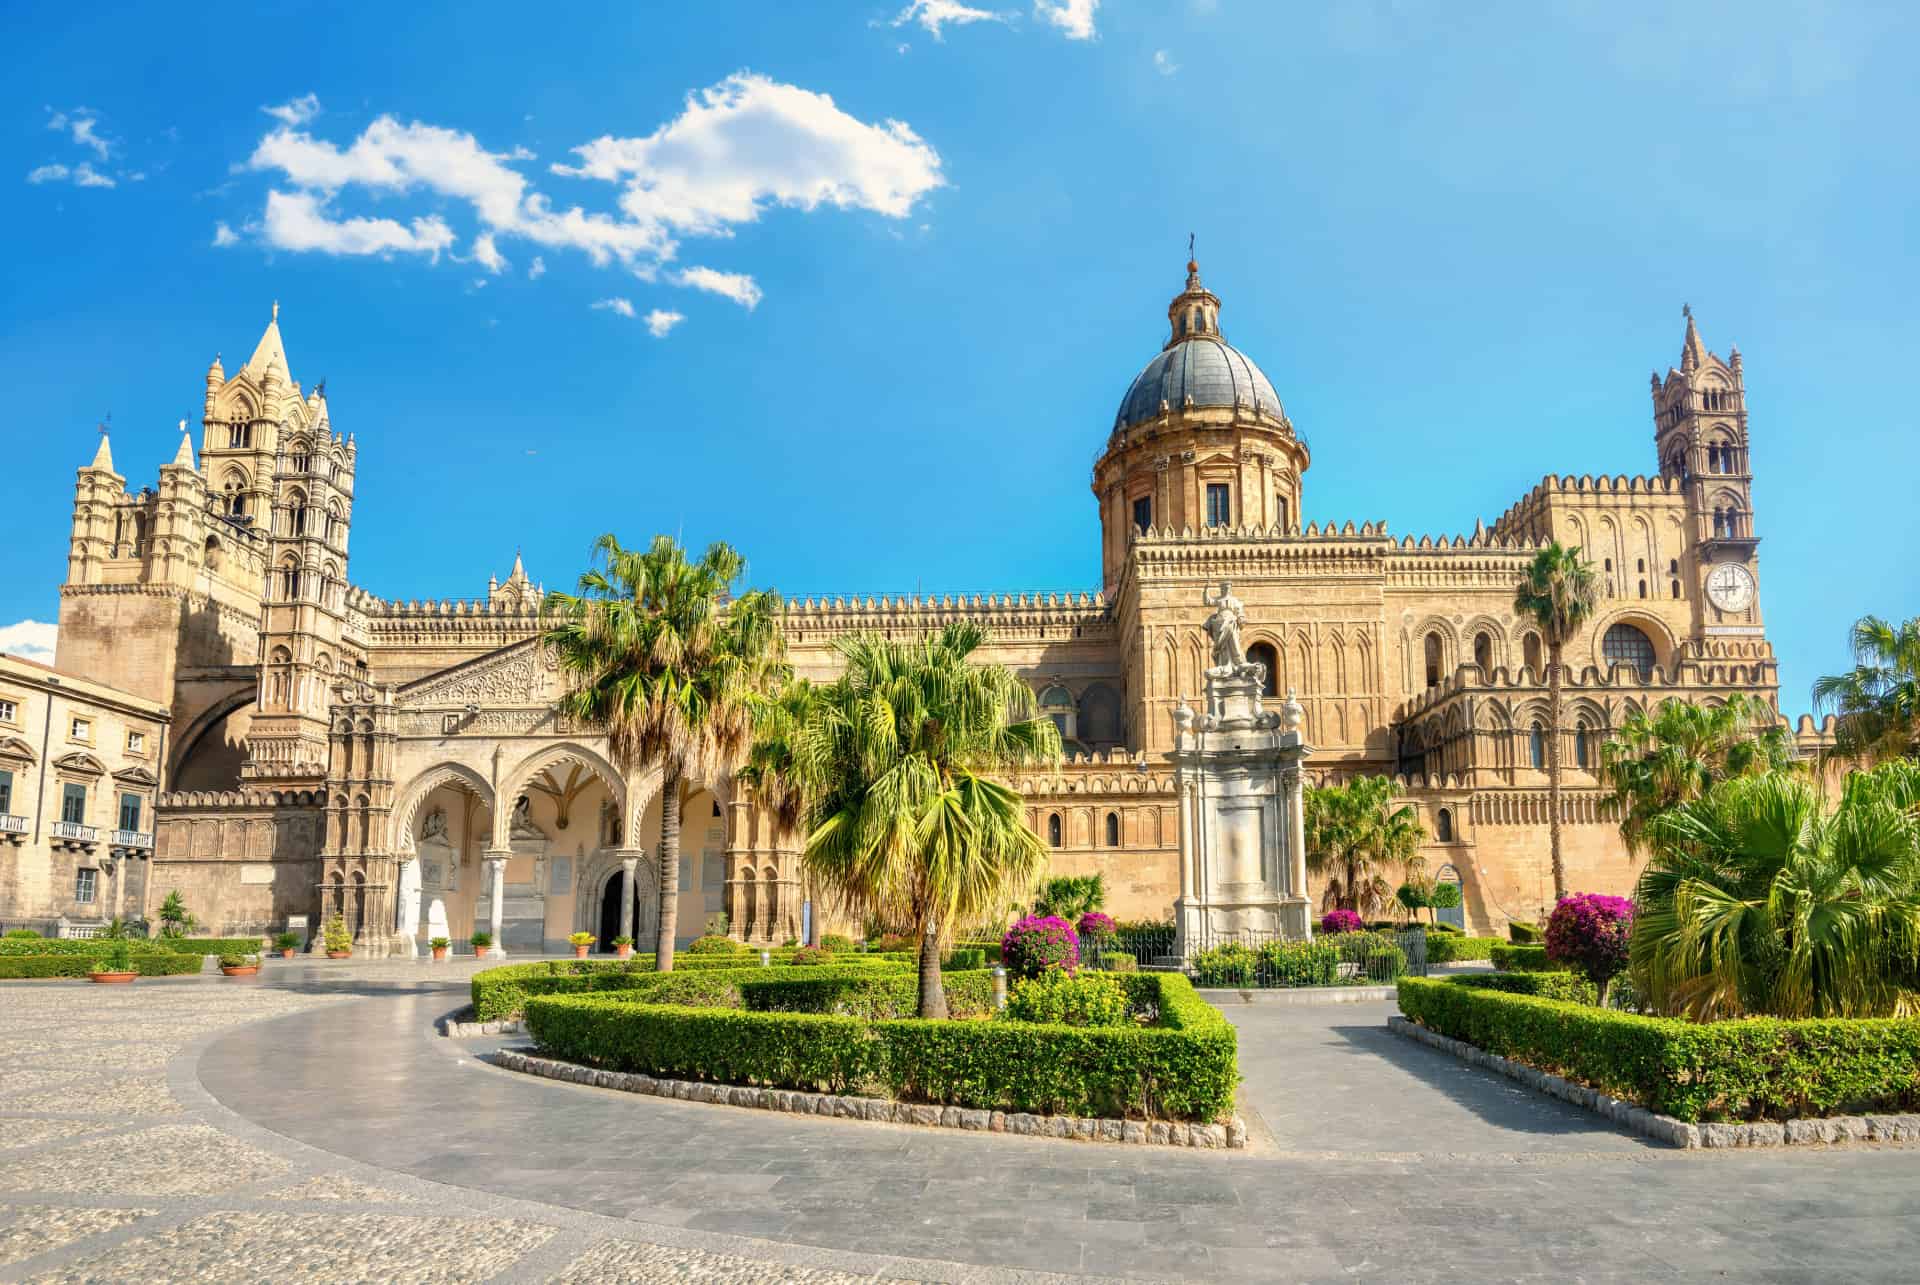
{"type": "Point", "coordinates": [1293, 780]}
{"type": "Point", "coordinates": [630, 867]}
{"type": "Point", "coordinates": [496, 863]}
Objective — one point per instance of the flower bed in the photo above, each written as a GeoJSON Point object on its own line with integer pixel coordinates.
{"type": "Point", "coordinates": [1523, 959]}
{"type": "Point", "coordinates": [1753, 1069]}
{"type": "Point", "coordinates": [209, 945]}
{"type": "Point", "coordinates": [148, 963]}
{"type": "Point", "coordinates": [1448, 948]}
{"type": "Point", "coordinates": [500, 994]}
{"type": "Point", "coordinates": [1182, 1066]}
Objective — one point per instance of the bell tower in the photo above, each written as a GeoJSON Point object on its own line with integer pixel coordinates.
{"type": "Point", "coordinates": [1700, 436]}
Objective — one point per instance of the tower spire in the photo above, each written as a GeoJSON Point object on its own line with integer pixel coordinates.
{"type": "Point", "coordinates": [1692, 351]}
{"type": "Point", "coordinates": [1195, 311]}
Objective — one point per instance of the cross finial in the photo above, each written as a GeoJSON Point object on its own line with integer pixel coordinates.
{"type": "Point", "coordinates": [1686, 310]}
{"type": "Point", "coordinates": [102, 426]}
{"type": "Point", "coordinates": [276, 310]}
{"type": "Point", "coordinates": [1189, 245]}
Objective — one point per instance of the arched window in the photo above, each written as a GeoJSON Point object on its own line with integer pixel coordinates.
{"type": "Point", "coordinates": [1676, 588]}
{"type": "Point", "coordinates": [1054, 829]}
{"type": "Point", "coordinates": [1643, 588]}
{"type": "Point", "coordinates": [280, 678]}
{"type": "Point", "coordinates": [1432, 648]}
{"type": "Point", "coordinates": [1483, 651]}
{"type": "Point", "coordinates": [1580, 746]}
{"type": "Point", "coordinates": [290, 580]}
{"type": "Point", "coordinates": [1264, 654]}
{"type": "Point", "coordinates": [333, 522]}
{"type": "Point", "coordinates": [1113, 829]}
{"type": "Point", "coordinates": [1537, 746]}
{"type": "Point", "coordinates": [1623, 644]}
{"type": "Point", "coordinates": [1143, 513]}
{"type": "Point", "coordinates": [1530, 653]}
{"type": "Point", "coordinates": [296, 513]}
{"type": "Point", "coordinates": [211, 555]}
{"type": "Point", "coordinates": [1443, 825]}
{"type": "Point", "coordinates": [1283, 513]}
{"type": "Point", "coordinates": [1056, 703]}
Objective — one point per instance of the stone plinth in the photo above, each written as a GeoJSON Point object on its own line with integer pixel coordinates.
{"type": "Point", "coordinates": [1242, 860]}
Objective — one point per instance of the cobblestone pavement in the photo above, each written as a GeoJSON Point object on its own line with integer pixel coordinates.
{"type": "Point", "coordinates": [311, 1126]}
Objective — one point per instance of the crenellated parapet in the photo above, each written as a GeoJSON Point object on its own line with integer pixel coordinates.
{"type": "Point", "coordinates": [1009, 616]}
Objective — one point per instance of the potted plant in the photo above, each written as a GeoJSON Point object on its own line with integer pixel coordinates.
{"type": "Point", "coordinates": [440, 946]}
{"type": "Point", "coordinates": [580, 942]}
{"type": "Point", "coordinates": [623, 947]}
{"type": "Point", "coordinates": [286, 944]}
{"type": "Point", "coordinates": [115, 965]}
{"type": "Point", "coordinates": [237, 965]}
{"type": "Point", "coordinates": [481, 942]}
{"type": "Point", "coordinates": [339, 940]}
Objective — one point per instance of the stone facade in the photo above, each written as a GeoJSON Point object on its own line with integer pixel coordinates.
{"type": "Point", "coordinates": [334, 752]}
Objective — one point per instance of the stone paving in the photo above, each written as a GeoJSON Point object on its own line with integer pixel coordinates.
{"type": "Point", "coordinates": [311, 1125]}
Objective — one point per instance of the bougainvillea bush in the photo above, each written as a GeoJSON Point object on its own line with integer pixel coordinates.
{"type": "Point", "coordinates": [1040, 942]}
{"type": "Point", "coordinates": [1589, 932]}
{"type": "Point", "coordinates": [1096, 926]}
{"type": "Point", "coordinates": [1341, 921]}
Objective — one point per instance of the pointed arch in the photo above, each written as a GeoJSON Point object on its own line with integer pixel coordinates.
{"type": "Point", "coordinates": [400, 826]}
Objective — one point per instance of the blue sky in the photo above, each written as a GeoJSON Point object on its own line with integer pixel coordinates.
{"type": "Point", "coordinates": [900, 281]}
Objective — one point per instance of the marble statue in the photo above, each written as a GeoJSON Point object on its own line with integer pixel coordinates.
{"type": "Point", "coordinates": [408, 923]}
{"type": "Point", "coordinates": [1228, 619]}
{"type": "Point", "coordinates": [437, 920]}
{"type": "Point", "coordinates": [522, 820]}
{"type": "Point", "coordinates": [435, 826]}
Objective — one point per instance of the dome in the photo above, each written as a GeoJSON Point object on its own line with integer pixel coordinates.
{"type": "Point", "coordinates": [1204, 368]}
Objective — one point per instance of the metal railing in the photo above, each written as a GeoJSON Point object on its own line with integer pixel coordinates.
{"type": "Point", "coordinates": [10, 824]}
{"type": "Point", "coordinates": [133, 839]}
{"type": "Point", "coordinates": [1266, 959]}
{"type": "Point", "coordinates": [74, 830]}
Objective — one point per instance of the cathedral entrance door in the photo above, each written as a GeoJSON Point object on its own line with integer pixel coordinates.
{"type": "Point", "coordinates": [610, 908]}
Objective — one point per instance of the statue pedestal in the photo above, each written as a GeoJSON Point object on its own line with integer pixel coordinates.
{"type": "Point", "coordinates": [1242, 861]}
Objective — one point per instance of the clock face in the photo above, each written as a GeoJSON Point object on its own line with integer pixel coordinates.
{"type": "Point", "coordinates": [1730, 587]}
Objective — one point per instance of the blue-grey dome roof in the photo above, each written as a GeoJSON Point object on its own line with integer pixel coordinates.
{"type": "Point", "coordinates": [1204, 368]}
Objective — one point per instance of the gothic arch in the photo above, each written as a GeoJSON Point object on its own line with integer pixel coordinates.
{"type": "Point", "coordinates": [400, 838]}
{"type": "Point", "coordinates": [514, 783]}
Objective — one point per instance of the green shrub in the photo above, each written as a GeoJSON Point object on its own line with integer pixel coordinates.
{"type": "Point", "coordinates": [964, 959]}
{"type": "Point", "coordinates": [1561, 986]}
{"type": "Point", "coordinates": [85, 946]}
{"type": "Point", "coordinates": [869, 994]}
{"type": "Point", "coordinates": [1231, 964]}
{"type": "Point", "coordinates": [1302, 963]}
{"type": "Point", "coordinates": [1447, 929]}
{"type": "Point", "coordinates": [713, 945]}
{"type": "Point", "coordinates": [1115, 962]}
{"type": "Point", "coordinates": [806, 1051]}
{"type": "Point", "coordinates": [22, 934]}
{"type": "Point", "coordinates": [1387, 964]}
{"type": "Point", "coordinates": [1522, 933]}
{"type": "Point", "coordinates": [1753, 1069]}
{"type": "Point", "coordinates": [806, 957]}
{"type": "Point", "coordinates": [148, 963]}
{"type": "Point", "coordinates": [1523, 959]}
{"type": "Point", "coordinates": [337, 936]}
{"type": "Point", "coordinates": [837, 942]}
{"type": "Point", "coordinates": [209, 945]}
{"type": "Point", "coordinates": [1055, 996]}
{"type": "Point", "coordinates": [235, 959]}
{"type": "Point", "coordinates": [500, 994]}
{"type": "Point", "coordinates": [1450, 948]}
{"type": "Point", "coordinates": [291, 941]}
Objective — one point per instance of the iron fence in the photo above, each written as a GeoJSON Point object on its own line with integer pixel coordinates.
{"type": "Point", "coordinates": [1265, 959]}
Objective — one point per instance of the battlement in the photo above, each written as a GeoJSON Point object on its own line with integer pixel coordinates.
{"type": "Point", "coordinates": [1719, 664]}
{"type": "Point", "coordinates": [1585, 484]}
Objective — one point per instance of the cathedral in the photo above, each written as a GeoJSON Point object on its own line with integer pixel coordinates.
{"type": "Point", "coordinates": [401, 763]}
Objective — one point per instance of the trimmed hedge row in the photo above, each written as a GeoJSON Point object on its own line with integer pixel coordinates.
{"type": "Point", "coordinates": [1570, 987]}
{"type": "Point", "coordinates": [1524, 959]}
{"type": "Point", "coordinates": [872, 998]}
{"type": "Point", "coordinates": [1752, 1069]}
{"type": "Point", "coordinates": [148, 963]}
{"type": "Point", "coordinates": [1451, 948]}
{"type": "Point", "coordinates": [209, 945]}
{"type": "Point", "coordinates": [1184, 1067]}
{"type": "Point", "coordinates": [500, 994]}
{"type": "Point", "coordinates": [90, 946]}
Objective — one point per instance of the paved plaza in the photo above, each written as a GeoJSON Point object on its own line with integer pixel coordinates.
{"type": "Point", "coordinates": [311, 1125]}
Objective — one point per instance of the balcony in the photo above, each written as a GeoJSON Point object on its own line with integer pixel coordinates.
{"type": "Point", "coordinates": [71, 834]}
{"type": "Point", "coordinates": [133, 840]}
{"type": "Point", "coordinates": [13, 829]}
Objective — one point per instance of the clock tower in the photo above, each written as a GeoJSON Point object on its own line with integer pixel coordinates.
{"type": "Point", "coordinates": [1700, 434]}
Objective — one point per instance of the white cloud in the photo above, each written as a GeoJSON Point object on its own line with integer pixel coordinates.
{"type": "Point", "coordinates": [936, 14]}
{"type": "Point", "coordinates": [487, 255]}
{"type": "Point", "coordinates": [536, 269]}
{"type": "Point", "coordinates": [297, 112]}
{"type": "Point", "coordinates": [1163, 63]}
{"type": "Point", "coordinates": [1073, 17]}
{"type": "Point", "coordinates": [660, 321]}
{"type": "Point", "coordinates": [737, 286]}
{"type": "Point", "coordinates": [48, 174]}
{"type": "Point", "coordinates": [81, 124]}
{"type": "Point", "coordinates": [82, 175]}
{"type": "Point", "coordinates": [32, 639]}
{"type": "Point", "coordinates": [300, 221]}
{"type": "Point", "coordinates": [83, 135]}
{"type": "Point", "coordinates": [622, 306]}
{"type": "Point", "coordinates": [224, 235]}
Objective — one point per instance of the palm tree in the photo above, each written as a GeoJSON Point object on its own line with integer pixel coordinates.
{"type": "Point", "coordinates": [1657, 761]}
{"type": "Point", "coordinates": [1878, 700]}
{"type": "Point", "coordinates": [1756, 901]}
{"type": "Point", "coordinates": [904, 819]}
{"type": "Point", "coordinates": [779, 721]}
{"type": "Point", "coordinates": [1354, 832]}
{"type": "Point", "coordinates": [658, 654]}
{"type": "Point", "coordinates": [1558, 594]}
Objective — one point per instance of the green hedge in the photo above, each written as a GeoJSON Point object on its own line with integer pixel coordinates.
{"type": "Point", "coordinates": [1447, 948]}
{"type": "Point", "coordinates": [209, 945]}
{"type": "Point", "coordinates": [1523, 959]}
{"type": "Point", "coordinates": [501, 993]}
{"type": "Point", "coordinates": [1183, 1067]}
{"type": "Point", "coordinates": [83, 946]}
{"type": "Point", "coordinates": [1522, 933]}
{"type": "Point", "coordinates": [1552, 985]}
{"type": "Point", "coordinates": [872, 997]}
{"type": "Point", "coordinates": [148, 963]}
{"type": "Point", "coordinates": [1753, 1069]}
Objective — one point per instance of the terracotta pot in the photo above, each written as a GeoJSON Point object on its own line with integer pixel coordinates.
{"type": "Point", "coordinates": [579, 952]}
{"type": "Point", "coordinates": [624, 952]}
{"type": "Point", "coordinates": [287, 953]}
{"type": "Point", "coordinates": [439, 952]}
{"type": "Point", "coordinates": [110, 978]}
{"type": "Point", "coordinates": [245, 970]}
{"type": "Point", "coordinates": [338, 954]}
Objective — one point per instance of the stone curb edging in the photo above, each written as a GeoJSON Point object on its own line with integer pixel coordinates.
{"type": "Point", "coordinates": [1665, 1128]}
{"type": "Point", "coordinates": [468, 1030]}
{"type": "Point", "coordinates": [1205, 1137]}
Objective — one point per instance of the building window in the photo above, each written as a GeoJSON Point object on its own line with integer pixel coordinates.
{"type": "Point", "coordinates": [1483, 652]}
{"type": "Point", "coordinates": [80, 730]}
{"type": "Point", "coordinates": [85, 886]}
{"type": "Point", "coordinates": [73, 804]}
{"type": "Point", "coordinates": [1676, 588]}
{"type": "Point", "coordinates": [240, 436]}
{"type": "Point", "coordinates": [301, 463]}
{"type": "Point", "coordinates": [6, 792]}
{"type": "Point", "coordinates": [1580, 746]}
{"type": "Point", "coordinates": [1537, 747]}
{"type": "Point", "coordinates": [1264, 655]}
{"type": "Point", "coordinates": [1283, 513]}
{"type": "Point", "coordinates": [1219, 504]}
{"type": "Point", "coordinates": [1113, 829]}
{"type": "Point", "coordinates": [1432, 647]}
{"type": "Point", "coordinates": [1530, 652]}
{"type": "Point", "coordinates": [1625, 645]}
{"type": "Point", "coordinates": [1643, 588]}
{"type": "Point", "coordinates": [136, 742]}
{"type": "Point", "coordinates": [1053, 829]}
{"type": "Point", "coordinates": [1443, 825]}
{"type": "Point", "coordinates": [129, 812]}
{"type": "Point", "coordinates": [9, 712]}
{"type": "Point", "coordinates": [1143, 513]}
